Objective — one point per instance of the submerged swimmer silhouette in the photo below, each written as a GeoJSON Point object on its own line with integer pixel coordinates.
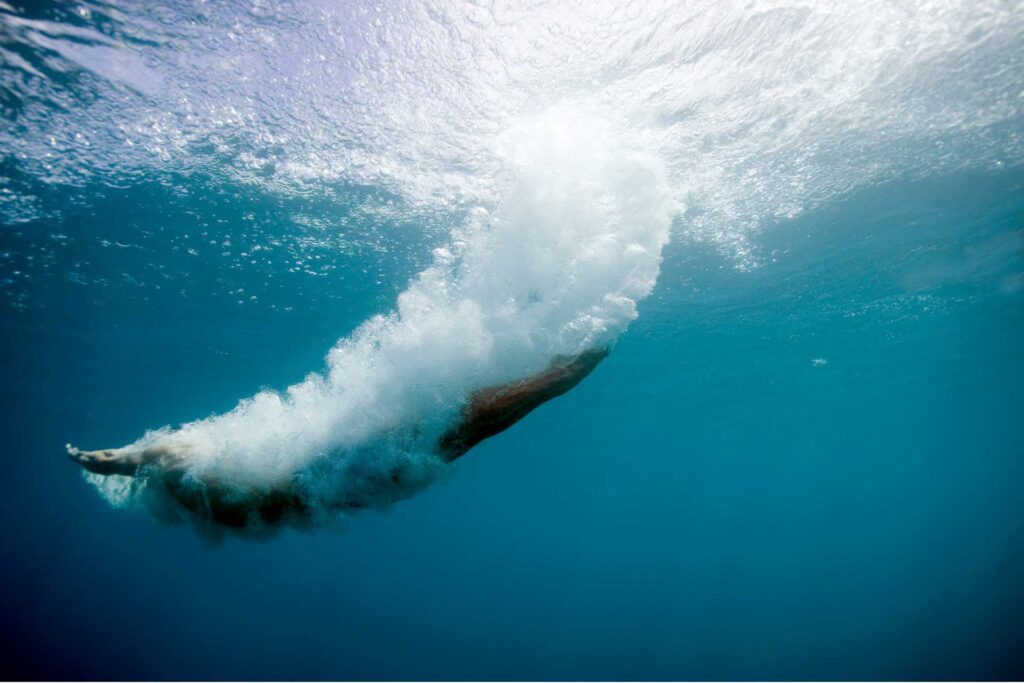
{"type": "Point", "coordinates": [486, 413]}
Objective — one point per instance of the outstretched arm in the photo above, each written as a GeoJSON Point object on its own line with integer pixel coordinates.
{"type": "Point", "coordinates": [127, 460]}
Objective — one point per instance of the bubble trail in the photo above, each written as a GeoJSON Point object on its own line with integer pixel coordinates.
{"type": "Point", "coordinates": [556, 270]}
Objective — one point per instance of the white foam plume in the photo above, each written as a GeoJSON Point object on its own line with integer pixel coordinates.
{"type": "Point", "coordinates": [556, 269]}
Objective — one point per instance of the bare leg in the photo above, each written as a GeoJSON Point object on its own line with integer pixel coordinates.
{"type": "Point", "coordinates": [492, 410]}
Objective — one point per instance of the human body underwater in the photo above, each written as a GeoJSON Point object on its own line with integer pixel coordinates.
{"type": "Point", "coordinates": [518, 308]}
{"type": "Point", "coordinates": [487, 413]}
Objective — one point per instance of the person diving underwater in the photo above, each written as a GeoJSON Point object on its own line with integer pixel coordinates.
{"type": "Point", "coordinates": [487, 412]}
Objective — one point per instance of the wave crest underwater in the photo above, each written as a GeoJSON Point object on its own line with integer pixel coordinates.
{"type": "Point", "coordinates": [555, 270]}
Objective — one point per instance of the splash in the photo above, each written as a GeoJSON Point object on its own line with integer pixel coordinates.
{"type": "Point", "coordinates": [561, 136]}
{"type": "Point", "coordinates": [556, 269]}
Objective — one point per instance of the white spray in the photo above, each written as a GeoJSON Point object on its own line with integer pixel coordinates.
{"type": "Point", "coordinates": [557, 268]}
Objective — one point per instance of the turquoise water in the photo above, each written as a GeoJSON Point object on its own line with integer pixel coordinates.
{"type": "Point", "coordinates": [801, 460]}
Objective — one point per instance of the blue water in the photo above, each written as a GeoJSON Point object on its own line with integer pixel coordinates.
{"type": "Point", "coordinates": [807, 466]}
{"type": "Point", "coordinates": [709, 504]}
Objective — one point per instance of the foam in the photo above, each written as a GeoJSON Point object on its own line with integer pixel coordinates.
{"type": "Point", "coordinates": [557, 268]}
{"type": "Point", "coordinates": [564, 133]}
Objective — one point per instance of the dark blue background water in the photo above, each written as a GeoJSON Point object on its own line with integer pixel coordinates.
{"type": "Point", "coordinates": [809, 470]}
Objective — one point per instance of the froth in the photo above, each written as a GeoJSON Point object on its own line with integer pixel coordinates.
{"type": "Point", "coordinates": [555, 268]}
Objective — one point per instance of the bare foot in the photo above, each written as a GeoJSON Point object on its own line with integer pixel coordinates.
{"type": "Point", "coordinates": [126, 460]}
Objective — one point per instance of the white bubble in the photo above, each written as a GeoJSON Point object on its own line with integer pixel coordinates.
{"type": "Point", "coordinates": [556, 269]}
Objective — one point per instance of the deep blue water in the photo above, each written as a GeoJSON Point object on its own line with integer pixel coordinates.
{"type": "Point", "coordinates": [803, 460]}
{"type": "Point", "coordinates": [709, 504]}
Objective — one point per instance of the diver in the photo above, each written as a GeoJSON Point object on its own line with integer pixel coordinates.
{"type": "Point", "coordinates": [486, 413]}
